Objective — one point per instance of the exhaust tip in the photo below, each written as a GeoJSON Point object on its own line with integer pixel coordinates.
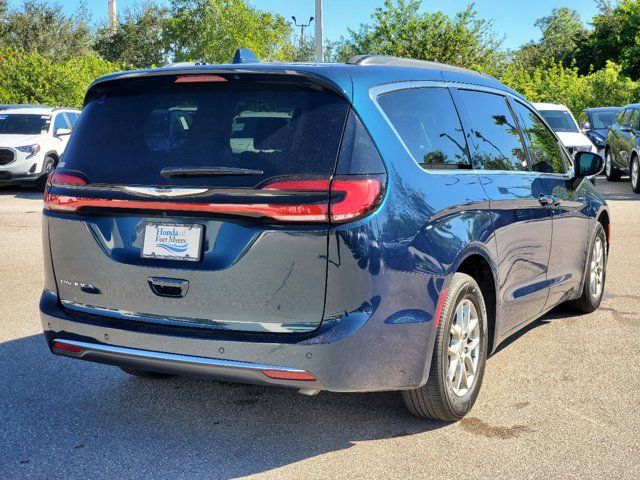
{"type": "Point", "coordinates": [309, 391]}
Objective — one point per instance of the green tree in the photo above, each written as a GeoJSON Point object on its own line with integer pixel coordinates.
{"type": "Point", "coordinates": [28, 77]}
{"type": "Point", "coordinates": [212, 30]}
{"type": "Point", "coordinates": [40, 26]}
{"type": "Point", "coordinates": [562, 31]}
{"type": "Point", "coordinates": [304, 50]}
{"type": "Point", "coordinates": [399, 28]}
{"type": "Point", "coordinates": [557, 83]}
{"type": "Point", "coordinates": [563, 34]}
{"type": "Point", "coordinates": [615, 37]}
{"type": "Point", "coordinates": [139, 40]}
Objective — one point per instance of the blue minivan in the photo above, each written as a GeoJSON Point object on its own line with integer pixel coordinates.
{"type": "Point", "coordinates": [377, 225]}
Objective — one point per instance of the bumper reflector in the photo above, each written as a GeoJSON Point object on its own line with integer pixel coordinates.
{"type": "Point", "coordinates": [67, 347]}
{"type": "Point", "coordinates": [438, 314]}
{"type": "Point", "coordinates": [285, 375]}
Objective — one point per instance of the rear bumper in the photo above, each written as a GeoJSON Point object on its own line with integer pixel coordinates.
{"type": "Point", "coordinates": [358, 352]}
{"type": "Point", "coordinates": [186, 365]}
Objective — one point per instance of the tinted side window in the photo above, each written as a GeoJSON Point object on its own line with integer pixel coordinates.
{"type": "Point", "coordinates": [427, 122]}
{"type": "Point", "coordinates": [60, 122]}
{"type": "Point", "coordinates": [634, 121]}
{"type": "Point", "coordinates": [496, 139]}
{"type": "Point", "coordinates": [620, 117]}
{"type": "Point", "coordinates": [626, 117]}
{"type": "Point", "coordinates": [543, 146]}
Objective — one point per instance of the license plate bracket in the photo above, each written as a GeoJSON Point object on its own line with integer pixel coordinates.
{"type": "Point", "coordinates": [172, 241]}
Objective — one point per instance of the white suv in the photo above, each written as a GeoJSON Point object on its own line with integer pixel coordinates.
{"type": "Point", "coordinates": [561, 121]}
{"type": "Point", "coordinates": [32, 139]}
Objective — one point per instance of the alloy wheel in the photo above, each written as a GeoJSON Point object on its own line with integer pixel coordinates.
{"type": "Point", "coordinates": [634, 174]}
{"type": "Point", "coordinates": [607, 163]}
{"type": "Point", "coordinates": [464, 348]}
{"type": "Point", "coordinates": [597, 268]}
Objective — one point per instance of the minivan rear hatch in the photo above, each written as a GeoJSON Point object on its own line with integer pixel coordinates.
{"type": "Point", "coordinates": [202, 200]}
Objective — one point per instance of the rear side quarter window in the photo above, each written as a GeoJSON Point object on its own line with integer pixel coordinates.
{"type": "Point", "coordinates": [427, 122]}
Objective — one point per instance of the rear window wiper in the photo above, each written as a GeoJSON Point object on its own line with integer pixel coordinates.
{"type": "Point", "coordinates": [172, 172]}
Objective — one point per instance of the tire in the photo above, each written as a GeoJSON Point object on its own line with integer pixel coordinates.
{"type": "Point", "coordinates": [47, 167]}
{"type": "Point", "coordinates": [589, 301]}
{"type": "Point", "coordinates": [144, 373]}
{"type": "Point", "coordinates": [439, 399]}
{"type": "Point", "coordinates": [611, 172]}
{"type": "Point", "coordinates": [634, 171]}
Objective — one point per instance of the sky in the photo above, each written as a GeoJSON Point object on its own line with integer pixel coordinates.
{"type": "Point", "coordinates": [512, 18]}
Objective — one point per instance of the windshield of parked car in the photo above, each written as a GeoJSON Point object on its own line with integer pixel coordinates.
{"type": "Point", "coordinates": [603, 120]}
{"type": "Point", "coordinates": [23, 124]}
{"type": "Point", "coordinates": [560, 120]}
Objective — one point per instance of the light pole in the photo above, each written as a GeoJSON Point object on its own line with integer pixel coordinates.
{"type": "Point", "coordinates": [302, 27]}
{"type": "Point", "coordinates": [319, 33]}
{"type": "Point", "coordinates": [113, 16]}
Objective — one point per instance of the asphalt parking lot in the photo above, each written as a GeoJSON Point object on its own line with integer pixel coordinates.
{"type": "Point", "coordinates": [559, 400]}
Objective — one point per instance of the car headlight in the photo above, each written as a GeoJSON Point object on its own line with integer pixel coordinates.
{"type": "Point", "coordinates": [599, 141]}
{"type": "Point", "coordinates": [30, 150]}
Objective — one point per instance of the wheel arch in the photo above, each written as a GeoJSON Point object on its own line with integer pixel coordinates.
{"type": "Point", "coordinates": [478, 264]}
{"type": "Point", "coordinates": [53, 154]}
{"type": "Point", "coordinates": [605, 220]}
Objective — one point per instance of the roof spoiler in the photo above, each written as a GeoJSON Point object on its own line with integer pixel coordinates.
{"type": "Point", "coordinates": [244, 55]}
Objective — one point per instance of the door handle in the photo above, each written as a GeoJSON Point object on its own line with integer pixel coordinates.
{"type": "Point", "coordinates": [168, 287]}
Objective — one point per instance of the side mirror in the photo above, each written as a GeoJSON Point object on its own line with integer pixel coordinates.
{"type": "Point", "coordinates": [587, 164]}
{"type": "Point", "coordinates": [585, 127]}
{"type": "Point", "coordinates": [61, 132]}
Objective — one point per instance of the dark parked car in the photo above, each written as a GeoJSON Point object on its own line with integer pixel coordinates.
{"type": "Point", "coordinates": [377, 225]}
{"type": "Point", "coordinates": [595, 124]}
{"type": "Point", "coordinates": [622, 149]}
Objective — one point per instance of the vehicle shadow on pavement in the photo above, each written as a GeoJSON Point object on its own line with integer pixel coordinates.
{"type": "Point", "coordinates": [560, 312]}
{"type": "Point", "coordinates": [25, 193]}
{"type": "Point", "coordinates": [61, 416]}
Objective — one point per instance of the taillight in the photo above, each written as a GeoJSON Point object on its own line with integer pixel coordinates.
{"type": "Point", "coordinates": [200, 79]}
{"type": "Point", "coordinates": [361, 196]}
{"type": "Point", "coordinates": [347, 198]}
{"type": "Point", "coordinates": [351, 197]}
{"type": "Point", "coordinates": [62, 178]}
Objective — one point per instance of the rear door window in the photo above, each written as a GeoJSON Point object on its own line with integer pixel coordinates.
{"type": "Point", "coordinates": [428, 124]}
{"type": "Point", "coordinates": [496, 143]}
{"type": "Point", "coordinates": [136, 128]}
{"type": "Point", "coordinates": [545, 152]}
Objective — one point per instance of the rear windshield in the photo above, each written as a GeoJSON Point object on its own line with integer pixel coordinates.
{"type": "Point", "coordinates": [19, 124]}
{"type": "Point", "coordinates": [131, 132]}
